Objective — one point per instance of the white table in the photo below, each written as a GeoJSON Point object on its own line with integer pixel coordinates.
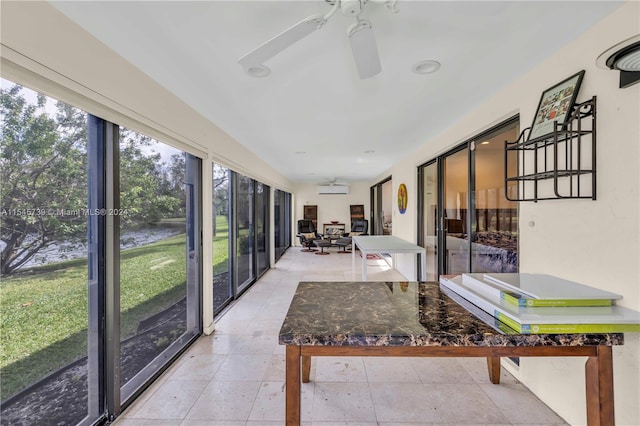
{"type": "Point", "coordinates": [379, 244]}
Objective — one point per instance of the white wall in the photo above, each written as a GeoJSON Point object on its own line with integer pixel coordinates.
{"type": "Point", "coordinates": [593, 242]}
{"type": "Point", "coordinates": [330, 206]}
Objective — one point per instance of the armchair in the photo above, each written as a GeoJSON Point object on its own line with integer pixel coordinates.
{"type": "Point", "coordinates": [358, 227]}
{"type": "Point", "coordinates": [307, 234]}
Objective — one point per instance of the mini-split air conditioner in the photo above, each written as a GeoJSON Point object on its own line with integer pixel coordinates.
{"type": "Point", "coordinates": [333, 189]}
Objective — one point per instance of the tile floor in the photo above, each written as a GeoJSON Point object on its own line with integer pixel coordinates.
{"type": "Point", "coordinates": [236, 376]}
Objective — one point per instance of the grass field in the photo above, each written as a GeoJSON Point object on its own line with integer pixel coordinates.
{"type": "Point", "coordinates": [44, 314]}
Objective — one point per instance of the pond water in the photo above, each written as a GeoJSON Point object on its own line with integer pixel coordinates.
{"type": "Point", "coordinates": [58, 251]}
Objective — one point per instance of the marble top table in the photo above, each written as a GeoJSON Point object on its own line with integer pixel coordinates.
{"type": "Point", "coordinates": [378, 244]}
{"type": "Point", "coordinates": [418, 319]}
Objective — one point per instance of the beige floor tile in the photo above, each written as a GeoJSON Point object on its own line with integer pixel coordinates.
{"type": "Point", "coordinates": [393, 369]}
{"type": "Point", "coordinates": [146, 422]}
{"type": "Point", "coordinates": [215, 344]}
{"type": "Point", "coordinates": [225, 401]}
{"type": "Point", "coordinates": [198, 367]}
{"type": "Point", "coordinates": [404, 424]}
{"type": "Point", "coordinates": [255, 345]}
{"type": "Point", "coordinates": [462, 402]}
{"type": "Point", "coordinates": [243, 368]}
{"type": "Point", "coordinates": [349, 402]}
{"type": "Point", "coordinates": [402, 402]}
{"type": "Point", "coordinates": [477, 369]}
{"type": "Point", "coordinates": [441, 370]}
{"type": "Point", "coordinates": [270, 402]}
{"type": "Point", "coordinates": [275, 370]}
{"type": "Point", "coordinates": [172, 401]}
{"type": "Point", "coordinates": [338, 369]}
{"type": "Point", "coordinates": [519, 405]}
{"type": "Point", "coordinates": [343, 424]}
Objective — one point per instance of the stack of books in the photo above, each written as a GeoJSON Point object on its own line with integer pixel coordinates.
{"type": "Point", "coordinates": [540, 304]}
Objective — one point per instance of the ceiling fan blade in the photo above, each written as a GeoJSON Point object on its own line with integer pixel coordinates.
{"type": "Point", "coordinates": [364, 48]}
{"type": "Point", "coordinates": [280, 42]}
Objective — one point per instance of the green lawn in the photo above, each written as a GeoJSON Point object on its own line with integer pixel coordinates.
{"type": "Point", "coordinates": [221, 246]}
{"type": "Point", "coordinates": [44, 309]}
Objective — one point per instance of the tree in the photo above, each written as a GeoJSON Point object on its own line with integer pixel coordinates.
{"type": "Point", "coordinates": [43, 178]}
{"type": "Point", "coordinates": [220, 193]}
{"type": "Point", "coordinates": [42, 172]}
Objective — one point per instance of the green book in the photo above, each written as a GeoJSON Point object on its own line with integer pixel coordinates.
{"type": "Point", "coordinates": [566, 328]}
{"type": "Point", "coordinates": [537, 290]}
{"type": "Point", "coordinates": [549, 320]}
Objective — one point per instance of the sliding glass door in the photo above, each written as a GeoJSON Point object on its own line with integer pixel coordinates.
{"type": "Point", "coordinates": [495, 220]}
{"type": "Point", "coordinates": [159, 186]}
{"type": "Point", "coordinates": [465, 221]}
{"type": "Point", "coordinates": [222, 277]}
{"type": "Point", "coordinates": [241, 219]}
{"type": "Point", "coordinates": [262, 227]}
{"type": "Point", "coordinates": [244, 232]}
{"type": "Point", "coordinates": [428, 184]}
{"type": "Point", "coordinates": [455, 183]}
{"type": "Point", "coordinates": [281, 222]}
{"type": "Point", "coordinates": [100, 283]}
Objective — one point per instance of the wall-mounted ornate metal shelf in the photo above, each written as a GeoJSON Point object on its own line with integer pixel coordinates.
{"type": "Point", "coordinates": [560, 165]}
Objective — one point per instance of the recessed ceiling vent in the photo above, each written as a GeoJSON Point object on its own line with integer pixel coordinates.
{"type": "Point", "coordinates": [624, 57]}
{"type": "Point", "coordinates": [333, 189]}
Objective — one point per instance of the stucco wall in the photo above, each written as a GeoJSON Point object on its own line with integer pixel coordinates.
{"type": "Point", "coordinates": [593, 242]}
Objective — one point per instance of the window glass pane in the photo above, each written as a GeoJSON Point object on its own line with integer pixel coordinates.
{"type": "Point", "coordinates": [262, 221]}
{"type": "Point", "coordinates": [156, 192]}
{"type": "Point", "coordinates": [495, 224]}
{"type": "Point", "coordinates": [456, 187]}
{"type": "Point", "coordinates": [430, 218]}
{"type": "Point", "coordinates": [244, 231]}
{"type": "Point", "coordinates": [43, 267]}
{"type": "Point", "coordinates": [222, 284]}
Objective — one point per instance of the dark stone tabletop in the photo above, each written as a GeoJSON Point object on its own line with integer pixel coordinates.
{"type": "Point", "coordinates": [404, 314]}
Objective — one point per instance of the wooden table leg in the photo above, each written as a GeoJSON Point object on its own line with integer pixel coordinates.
{"type": "Point", "coordinates": [599, 381]}
{"type": "Point", "coordinates": [493, 363]}
{"type": "Point", "coordinates": [306, 368]}
{"type": "Point", "coordinates": [293, 385]}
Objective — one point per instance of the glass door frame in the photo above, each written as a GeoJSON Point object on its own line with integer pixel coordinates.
{"type": "Point", "coordinates": [470, 219]}
{"type": "Point", "coordinates": [375, 212]}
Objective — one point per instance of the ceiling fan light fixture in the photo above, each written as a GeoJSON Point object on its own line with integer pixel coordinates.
{"type": "Point", "coordinates": [428, 66]}
{"type": "Point", "coordinates": [258, 71]}
{"type": "Point", "coordinates": [623, 57]}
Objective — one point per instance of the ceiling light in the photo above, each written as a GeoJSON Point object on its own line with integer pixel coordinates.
{"type": "Point", "coordinates": [258, 71]}
{"type": "Point", "coordinates": [485, 143]}
{"type": "Point", "coordinates": [624, 57]}
{"type": "Point", "coordinates": [426, 67]}
{"type": "Point", "coordinates": [369, 151]}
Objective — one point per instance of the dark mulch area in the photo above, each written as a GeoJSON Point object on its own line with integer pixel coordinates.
{"type": "Point", "coordinates": [61, 398]}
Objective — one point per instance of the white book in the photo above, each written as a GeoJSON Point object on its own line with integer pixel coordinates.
{"type": "Point", "coordinates": [543, 286]}
{"type": "Point", "coordinates": [574, 319]}
{"type": "Point", "coordinates": [538, 290]}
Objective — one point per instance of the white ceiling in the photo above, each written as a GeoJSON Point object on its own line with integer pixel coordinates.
{"type": "Point", "coordinates": [313, 101]}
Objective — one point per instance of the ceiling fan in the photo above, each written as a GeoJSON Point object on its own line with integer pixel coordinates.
{"type": "Point", "coordinates": [361, 37]}
{"type": "Point", "coordinates": [334, 182]}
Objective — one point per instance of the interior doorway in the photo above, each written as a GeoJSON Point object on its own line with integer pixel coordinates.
{"type": "Point", "coordinates": [382, 207]}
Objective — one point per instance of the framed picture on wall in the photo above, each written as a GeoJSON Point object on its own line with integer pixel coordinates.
{"type": "Point", "coordinates": [311, 213]}
{"type": "Point", "coordinates": [555, 105]}
{"type": "Point", "coordinates": [357, 211]}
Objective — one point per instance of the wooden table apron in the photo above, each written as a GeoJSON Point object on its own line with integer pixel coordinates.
{"type": "Point", "coordinates": [598, 369]}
